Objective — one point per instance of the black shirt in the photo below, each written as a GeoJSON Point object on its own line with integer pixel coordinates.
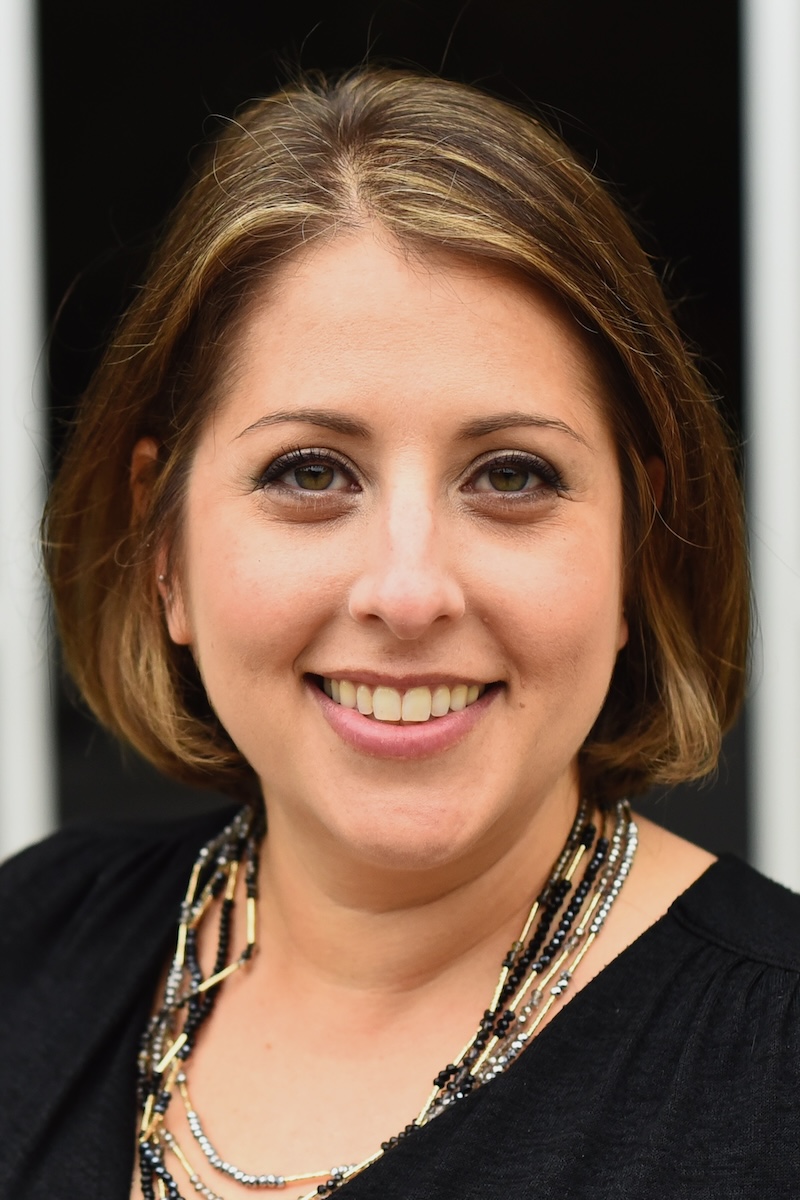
{"type": "Point", "coordinates": [674, 1074]}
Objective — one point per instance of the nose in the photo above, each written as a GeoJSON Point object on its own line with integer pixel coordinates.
{"type": "Point", "coordinates": [407, 581]}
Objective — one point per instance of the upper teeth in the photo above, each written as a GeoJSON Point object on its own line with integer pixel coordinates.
{"type": "Point", "coordinates": [414, 704]}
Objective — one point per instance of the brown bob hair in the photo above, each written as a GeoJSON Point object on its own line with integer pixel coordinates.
{"type": "Point", "coordinates": [443, 167]}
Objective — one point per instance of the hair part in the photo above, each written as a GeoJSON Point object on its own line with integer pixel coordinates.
{"type": "Point", "coordinates": [442, 168]}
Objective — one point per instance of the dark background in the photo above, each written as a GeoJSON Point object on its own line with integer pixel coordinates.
{"type": "Point", "coordinates": [648, 92]}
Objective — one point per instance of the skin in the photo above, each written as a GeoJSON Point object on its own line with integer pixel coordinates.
{"type": "Point", "coordinates": [392, 887]}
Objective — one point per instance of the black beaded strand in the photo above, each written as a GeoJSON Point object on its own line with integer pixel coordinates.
{"type": "Point", "coordinates": [215, 873]}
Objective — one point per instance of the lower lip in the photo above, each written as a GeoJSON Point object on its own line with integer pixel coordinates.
{"type": "Point", "coordinates": [385, 740]}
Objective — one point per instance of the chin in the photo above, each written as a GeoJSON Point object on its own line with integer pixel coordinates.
{"type": "Point", "coordinates": [408, 857]}
{"type": "Point", "coordinates": [408, 843]}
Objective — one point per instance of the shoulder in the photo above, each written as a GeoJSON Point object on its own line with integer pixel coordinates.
{"type": "Point", "coordinates": [87, 921]}
{"type": "Point", "coordinates": [89, 878]}
{"type": "Point", "coordinates": [737, 909]}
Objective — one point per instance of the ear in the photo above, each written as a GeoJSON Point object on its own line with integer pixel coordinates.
{"type": "Point", "coordinates": [144, 461]}
{"type": "Point", "coordinates": [176, 611]}
{"type": "Point", "coordinates": [657, 473]}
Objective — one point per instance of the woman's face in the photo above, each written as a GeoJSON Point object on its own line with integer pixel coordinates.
{"type": "Point", "coordinates": [409, 485]}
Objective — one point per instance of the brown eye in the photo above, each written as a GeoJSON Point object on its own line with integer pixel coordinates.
{"type": "Point", "coordinates": [516, 474]}
{"type": "Point", "coordinates": [307, 470]}
{"type": "Point", "coordinates": [508, 479]}
{"type": "Point", "coordinates": [315, 477]}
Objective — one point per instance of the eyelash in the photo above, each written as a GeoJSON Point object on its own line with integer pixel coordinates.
{"type": "Point", "coordinates": [530, 463]}
{"type": "Point", "coordinates": [304, 456]}
{"type": "Point", "coordinates": [300, 457]}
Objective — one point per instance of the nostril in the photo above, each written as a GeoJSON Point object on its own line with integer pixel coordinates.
{"type": "Point", "coordinates": [408, 602]}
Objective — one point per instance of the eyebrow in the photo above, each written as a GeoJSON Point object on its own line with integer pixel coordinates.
{"type": "Point", "coordinates": [312, 416]}
{"type": "Point", "coordinates": [483, 426]}
{"type": "Point", "coordinates": [471, 431]}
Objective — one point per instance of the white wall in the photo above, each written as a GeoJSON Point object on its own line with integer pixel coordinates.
{"type": "Point", "coordinates": [771, 65]}
{"type": "Point", "coordinates": [26, 727]}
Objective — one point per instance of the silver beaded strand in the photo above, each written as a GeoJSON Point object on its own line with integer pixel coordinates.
{"type": "Point", "coordinates": [535, 975]}
{"type": "Point", "coordinates": [244, 1177]}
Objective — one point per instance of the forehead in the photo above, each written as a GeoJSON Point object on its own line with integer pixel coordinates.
{"type": "Point", "coordinates": [360, 320]}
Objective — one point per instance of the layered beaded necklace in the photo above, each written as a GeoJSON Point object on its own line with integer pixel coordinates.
{"type": "Point", "coordinates": [534, 975]}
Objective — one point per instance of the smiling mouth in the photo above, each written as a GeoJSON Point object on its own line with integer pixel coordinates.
{"type": "Point", "coordinates": [414, 705]}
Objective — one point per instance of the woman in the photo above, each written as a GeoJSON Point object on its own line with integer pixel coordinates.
{"type": "Point", "coordinates": [398, 510]}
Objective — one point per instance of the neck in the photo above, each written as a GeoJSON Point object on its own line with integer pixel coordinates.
{"type": "Point", "coordinates": [331, 919]}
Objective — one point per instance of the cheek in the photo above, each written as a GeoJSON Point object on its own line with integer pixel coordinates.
{"type": "Point", "coordinates": [558, 608]}
{"type": "Point", "coordinates": [254, 598]}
